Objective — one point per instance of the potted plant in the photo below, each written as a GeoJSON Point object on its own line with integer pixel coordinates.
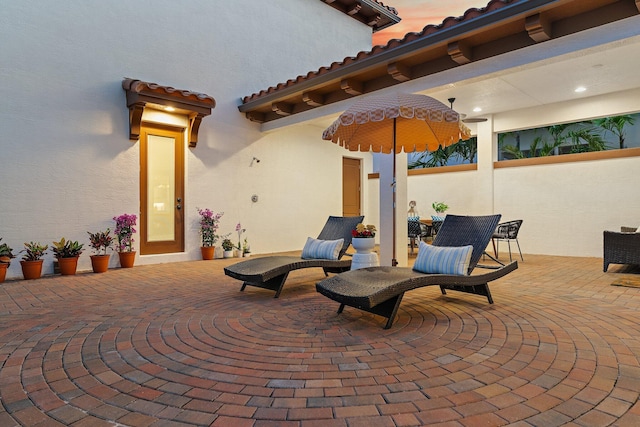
{"type": "Point", "coordinates": [227, 245]}
{"type": "Point", "coordinates": [363, 238]}
{"type": "Point", "coordinates": [239, 230]}
{"type": "Point", "coordinates": [100, 241]}
{"type": "Point", "coordinates": [32, 260]}
{"type": "Point", "coordinates": [209, 223]}
{"type": "Point", "coordinates": [439, 207]}
{"type": "Point", "coordinates": [124, 232]}
{"type": "Point", "coordinates": [6, 253]}
{"type": "Point", "coordinates": [246, 249]}
{"type": "Point", "coordinates": [67, 253]}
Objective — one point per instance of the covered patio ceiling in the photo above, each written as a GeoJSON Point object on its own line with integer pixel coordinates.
{"type": "Point", "coordinates": [602, 57]}
{"type": "Point", "coordinates": [605, 69]}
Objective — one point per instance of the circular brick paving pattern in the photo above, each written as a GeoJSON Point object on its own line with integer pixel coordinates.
{"type": "Point", "coordinates": [178, 344]}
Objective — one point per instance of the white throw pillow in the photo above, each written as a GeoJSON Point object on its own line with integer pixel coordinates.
{"type": "Point", "coordinates": [442, 259]}
{"type": "Point", "coordinates": [322, 249]}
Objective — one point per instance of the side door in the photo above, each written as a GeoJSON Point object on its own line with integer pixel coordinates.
{"type": "Point", "coordinates": [351, 187]}
{"type": "Point", "coordinates": [161, 189]}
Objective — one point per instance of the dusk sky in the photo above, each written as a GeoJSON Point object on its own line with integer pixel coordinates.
{"type": "Point", "coordinates": [416, 14]}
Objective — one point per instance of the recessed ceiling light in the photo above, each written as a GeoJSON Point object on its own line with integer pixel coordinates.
{"type": "Point", "coordinates": [170, 109]}
{"type": "Point", "coordinates": [477, 110]}
{"type": "Point", "coordinates": [580, 89]}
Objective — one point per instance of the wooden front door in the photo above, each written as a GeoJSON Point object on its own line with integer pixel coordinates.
{"type": "Point", "coordinates": [351, 187]}
{"type": "Point", "coordinates": [161, 189]}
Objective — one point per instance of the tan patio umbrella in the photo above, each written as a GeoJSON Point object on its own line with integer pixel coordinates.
{"type": "Point", "coordinates": [394, 123]}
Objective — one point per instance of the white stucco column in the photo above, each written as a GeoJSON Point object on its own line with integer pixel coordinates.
{"type": "Point", "coordinates": [487, 154]}
{"type": "Point", "coordinates": [386, 209]}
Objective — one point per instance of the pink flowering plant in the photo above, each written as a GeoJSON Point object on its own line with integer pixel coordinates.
{"type": "Point", "coordinates": [124, 231]}
{"type": "Point", "coordinates": [209, 223]}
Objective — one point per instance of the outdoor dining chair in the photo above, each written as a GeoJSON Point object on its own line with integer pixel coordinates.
{"type": "Point", "coordinates": [416, 232]}
{"type": "Point", "coordinates": [507, 231]}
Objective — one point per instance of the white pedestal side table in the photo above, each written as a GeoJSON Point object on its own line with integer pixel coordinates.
{"type": "Point", "coordinates": [364, 257]}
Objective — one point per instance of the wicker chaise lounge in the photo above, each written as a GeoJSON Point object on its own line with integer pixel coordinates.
{"type": "Point", "coordinates": [270, 272]}
{"type": "Point", "coordinates": [379, 290]}
{"type": "Point", "coordinates": [621, 247]}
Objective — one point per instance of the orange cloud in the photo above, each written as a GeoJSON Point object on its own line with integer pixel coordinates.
{"type": "Point", "coordinates": [416, 14]}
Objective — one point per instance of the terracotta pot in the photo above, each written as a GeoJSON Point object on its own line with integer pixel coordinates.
{"type": "Point", "coordinates": [68, 266]}
{"type": "Point", "coordinates": [3, 271]}
{"type": "Point", "coordinates": [100, 263]}
{"type": "Point", "coordinates": [127, 259]}
{"type": "Point", "coordinates": [31, 269]}
{"type": "Point", "coordinates": [207, 252]}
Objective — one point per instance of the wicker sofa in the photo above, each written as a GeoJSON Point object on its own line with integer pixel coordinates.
{"type": "Point", "coordinates": [621, 247]}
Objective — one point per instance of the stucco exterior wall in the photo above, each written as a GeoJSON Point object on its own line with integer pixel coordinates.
{"type": "Point", "coordinates": [67, 164]}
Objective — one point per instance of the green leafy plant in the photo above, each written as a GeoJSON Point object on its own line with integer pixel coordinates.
{"type": "Point", "coordinates": [6, 253]}
{"type": "Point", "coordinates": [466, 149]}
{"type": "Point", "coordinates": [433, 159]}
{"type": "Point", "coordinates": [246, 249]}
{"type": "Point", "coordinates": [227, 245]}
{"type": "Point", "coordinates": [67, 248]}
{"type": "Point", "coordinates": [439, 207]}
{"type": "Point", "coordinates": [33, 251]}
{"type": "Point", "coordinates": [615, 125]}
{"type": "Point", "coordinates": [101, 241]}
{"type": "Point", "coordinates": [586, 140]}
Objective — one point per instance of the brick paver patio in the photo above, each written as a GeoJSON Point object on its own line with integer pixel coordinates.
{"type": "Point", "coordinates": [178, 344]}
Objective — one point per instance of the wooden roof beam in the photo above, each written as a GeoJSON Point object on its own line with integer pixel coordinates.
{"type": "Point", "coordinates": [255, 116]}
{"type": "Point", "coordinates": [354, 10]}
{"type": "Point", "coordinates": [538, 27]}
{"type": "Point", "coordinates": [282, 108]}
{"type": "Point", "coordinates": [399, 72]}
{"type": "Point", "coordinates": [373, 21]}
{"type": "Point", "coordinates": [313, 99]}
{"type": "Point", "coordinates": [352, 87]}
{"type": "Point", "coordinates": [460, 52]}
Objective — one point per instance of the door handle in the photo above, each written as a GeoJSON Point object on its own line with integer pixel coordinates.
{"type": "Point", "coordinates": [178, 206]}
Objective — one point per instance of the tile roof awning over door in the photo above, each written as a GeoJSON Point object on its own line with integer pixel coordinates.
{"type": "Point", "coordinates": [151, 95]}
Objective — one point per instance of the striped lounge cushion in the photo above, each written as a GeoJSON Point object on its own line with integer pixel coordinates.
{"type": "Point", "coordinates": [322, 249]}
{"type": "Point", "coordinates": [443, 259]}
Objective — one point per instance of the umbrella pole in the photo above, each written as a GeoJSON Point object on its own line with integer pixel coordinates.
{"type": "Point", "coordinates": [394, 261]}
